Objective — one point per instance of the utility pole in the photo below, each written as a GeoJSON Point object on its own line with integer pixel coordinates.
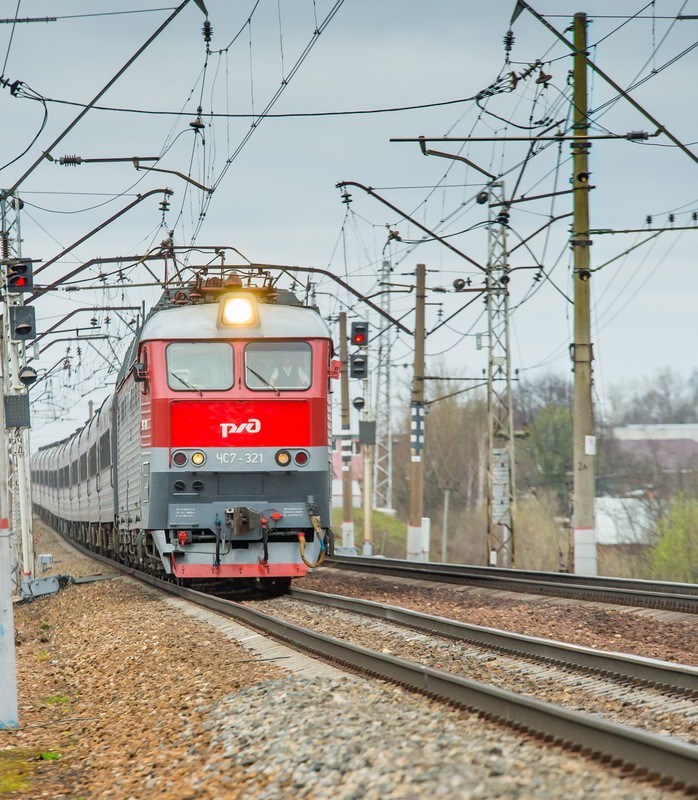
{"type": "Point", "coordinates": [414, 528]}
{"type": "Point", "coordinates": [367, 437]}
{"type": "Point", "coordinates": [584, 438]}
{"type": "Point", "coordinates": [347, 491]}
{"type": "Point", "coordinates": [383, 452]}
{"type": "Point", "coordinates": [500, 423]}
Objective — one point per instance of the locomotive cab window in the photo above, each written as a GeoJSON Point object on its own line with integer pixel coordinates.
{"type": "Point", "coordinates": [199, 366]}
{"type": "Point", "coordinates": [278, 365]}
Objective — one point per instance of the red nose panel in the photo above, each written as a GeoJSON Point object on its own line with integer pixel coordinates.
{"type": "Point", "coordinates": [240, 424]}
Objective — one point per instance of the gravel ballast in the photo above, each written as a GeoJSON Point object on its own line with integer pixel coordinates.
{"type": "Point", "coordinates": [129, 699]}
{"type": "Point", "coordinates": [641, 632]}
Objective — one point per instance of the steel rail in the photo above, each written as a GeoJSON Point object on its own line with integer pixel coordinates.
{"type": "Point", "coordinates": [621, 591]}
{"type": "Point", "coordinates": [648, 671]}
{"type": "Point", "coordinates": [649, 755]}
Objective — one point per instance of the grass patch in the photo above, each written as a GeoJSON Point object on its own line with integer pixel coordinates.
{"type": "Point", "coordinates": [388, 533]}
{"type": "Point", "coordinates": [45, 626]}
{"type": "Point", "coordinates": [16, 768]}
{"type": "Point", "coordinates": [50, 755]}
{"type": "Point", "coordinates": [44, 655]}
{"type": "Point", "coordinates": [57, 699]}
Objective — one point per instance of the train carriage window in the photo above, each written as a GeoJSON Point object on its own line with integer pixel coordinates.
{"type": "Point", "coordinates": [199, 366]}
{"type": "Point", "coordinates": [83, 467]}
{"type": "Point", "coordinates": [92, 465]}
{"type": "Point", "coordinates": [278, 365]}
{"type": "Point", "coordinates": [74, 472]}
{"type": "Point", "coordinates": [104, 451]}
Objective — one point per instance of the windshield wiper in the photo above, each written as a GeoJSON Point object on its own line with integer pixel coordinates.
{"type": "Point", "coordinates": [264, 380]}
{"type": "Point", "coordinates": [185, 383]}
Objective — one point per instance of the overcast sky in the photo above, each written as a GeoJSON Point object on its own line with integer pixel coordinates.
{"type": "Point", "coordinates": [276, 200]}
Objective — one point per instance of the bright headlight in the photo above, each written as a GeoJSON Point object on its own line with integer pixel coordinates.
{"type": "Point", "coordinates": [237, 311]}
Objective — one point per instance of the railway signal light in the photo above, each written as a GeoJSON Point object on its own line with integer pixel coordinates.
{"type": "Point", "coordinates": [27, 375]}
{"type": "Point", "coordinates": [20, 277]}
{"type": "Point", "coordinates": [359, 334]}
{"type": "Point", "coordinates": [22, 323]}
{"type": "Point", "coordinates": [358, 365]}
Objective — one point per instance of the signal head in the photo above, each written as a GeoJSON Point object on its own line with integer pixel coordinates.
{"type": "Point", "coordinates": [27, 375]}
{"type": "Point", "coordinates": [20, 277]}
{"type": "Point", "coordinates": [359, 334]}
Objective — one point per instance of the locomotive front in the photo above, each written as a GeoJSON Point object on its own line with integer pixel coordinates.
{"type": "Point", "coordinates": [234, 468]}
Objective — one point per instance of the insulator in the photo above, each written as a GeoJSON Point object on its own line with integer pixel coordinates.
{"type": "Point", "coordinates": [346, 197]}
{"type": "Point", "coordinates": [671, 219]}
{"type": "Point", "coordinates": [207, 30]}
{"type": "Point", "coordinates": [508, 41]}
{"type": "Point", "coordinates": [70, 161]}
{"type": "Point", "coordinates": [94, 322]}
{"type": "Point", "coordinates": [694, 216]}
{"type": "Point", "coordinates": [197, 124]}
{"type": "Point", "coordinates": [164, 204]}
{"type": "Point", "coordinates": [648, 219]}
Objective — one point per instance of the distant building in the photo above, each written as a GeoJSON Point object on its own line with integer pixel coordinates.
{"type": "Point", "coordinates": [357, 472]}
{"type": "Point", "coordinates": [673, 447]}
{"type": "Point", "coordinates": [623, 522]}
{"type": "Point", "coordinates": [337, 493]}
{"type": "Point", "coordinates": [357, 459]}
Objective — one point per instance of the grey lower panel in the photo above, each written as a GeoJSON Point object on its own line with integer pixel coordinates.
{"type": "Point", "coordinates": [194, 499]}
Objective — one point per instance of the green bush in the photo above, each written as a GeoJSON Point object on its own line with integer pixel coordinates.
{"type": "Point", "coordinates": [675, 557]}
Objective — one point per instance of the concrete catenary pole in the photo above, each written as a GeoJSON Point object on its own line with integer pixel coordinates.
{"type": "Point", "coordinates": [414, 528]}
{"type": "Point", "coordinates": [444, 525]}
{"type": "Point", "coordinates": [584, 439]}
{"type": "Point", "coordinates": [8, 669]}
{"type": "Point", "coordinates": [347, 490]}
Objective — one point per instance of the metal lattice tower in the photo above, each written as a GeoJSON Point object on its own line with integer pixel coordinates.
{"type": "Point", "coordinates": [15, 501]}
{"type": "Point", "coordinates": [500, 427]}
{"type": "Point", "coordinates": [383, 457]}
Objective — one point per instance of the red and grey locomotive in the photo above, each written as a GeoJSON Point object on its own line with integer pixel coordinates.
{"type": "Point", "coordinates": [212, 458]}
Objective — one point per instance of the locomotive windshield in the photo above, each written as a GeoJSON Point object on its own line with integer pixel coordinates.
{"type": "Point", "coordinates": [199, 366]}
{"type": "Point", "coordinates": [278, 365]}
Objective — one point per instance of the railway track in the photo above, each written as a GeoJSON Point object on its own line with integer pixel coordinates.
{"type": "Point", "coordinates": [653, 756]}
{"type": "Point", "coordinates": [674, 678]}
{"type": "Point", "coordinates": [621, 591]}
